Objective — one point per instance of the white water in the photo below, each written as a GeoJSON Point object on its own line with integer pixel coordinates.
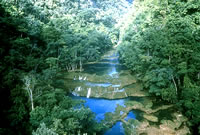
{"type": "Point", "coordinates": [89, 92]}
{"type": "Point", "coordinates": [113, 71]}
{"type": "Point", "coordinates": [114, 86]}
{"type": "Point", "coordinates": [126, 94]}
{"type": "Point", "coordinates": [79, 88]}
{"type": "Point", "coordinates": [80, 77]}
{"type": "Point", "coordinates": [85, 78]}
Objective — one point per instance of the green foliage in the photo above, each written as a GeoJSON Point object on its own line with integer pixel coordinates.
{"type": "Point", "coordinates": [160, 45]}
{"type": "Point", "coordinates": [63, 115]}
{"type": "Point", "coordinates": [190, 102]}
{"type": "Point", "coordinates": [41, 38]}
{"type": "Point", "coordinates": [15, 113]}
{"type": "Point", "coordinates": [43, 130]}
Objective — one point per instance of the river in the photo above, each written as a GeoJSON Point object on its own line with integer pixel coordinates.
{"type": "Point", "coordinates": [107, 86]}
{"type": "Point", "coordinates": [108, 65]}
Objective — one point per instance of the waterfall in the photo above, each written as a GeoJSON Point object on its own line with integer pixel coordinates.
{"type": "Point", "coordinates": [126, 94]}
{"type": "Point", "coordinates": [113, 71]}
{"type": "Point", "coordinates": [80, 77]}
{"type": "Point", "coordinates": [79, 88]}
{"type": "Point", "coordinates": [89, 92]}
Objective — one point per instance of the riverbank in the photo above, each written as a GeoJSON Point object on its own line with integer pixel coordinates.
{"type": "Point", "coordinates": [108, 81]}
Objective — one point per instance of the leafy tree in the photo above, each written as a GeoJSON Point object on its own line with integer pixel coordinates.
{"type": "Point", "coordinates": [43, 130]}
{"type": "Point", "coordinates": [160, 45]}
{"type": "Point", "coordinates": [39, 39]}
{"type": "Point", "coordinates": [62, 114]}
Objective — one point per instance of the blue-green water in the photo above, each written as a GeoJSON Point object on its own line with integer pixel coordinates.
{"type": "Point", "coordinates": [109, 65]}
{"type": "Point", "coordinates": [117, 129]}
{"type": "Point", "coordinates": [108, 80]}
{"type": "Point", "coordinates": [102, 106]}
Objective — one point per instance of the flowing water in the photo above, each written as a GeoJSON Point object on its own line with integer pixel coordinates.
{"type": "Point", "coordinates": [108, 87]}
{"type": "Point", "coordinates": [109, 70]}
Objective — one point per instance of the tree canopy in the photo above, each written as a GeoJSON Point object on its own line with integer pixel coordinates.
{"type": "Point", "coordinates": [157, 40]}
{"type": "Point", "coordinates": [161, 45]}
{"type": "Point", "coordinates": [38, 40]}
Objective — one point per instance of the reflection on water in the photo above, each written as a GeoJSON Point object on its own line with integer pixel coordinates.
{"type": "Point", "coordinates": [101, 106]}
{"type": "Point", "coordinates": [100, 80]}
{"type": "Point", "coordinates": [117, 129]}
{"type": "Point", "coordinates": [109, 65]}
{"type": "Point", "coordinates": [130, 115]}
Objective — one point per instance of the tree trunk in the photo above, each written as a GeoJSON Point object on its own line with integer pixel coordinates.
{"type": "Point", "coordinates": [175, 85]}
{"type": "Point", "coordinates": [31, 98]}
{"type": "Point", "coordinates": [80, 65]}
{"type": "Point", "coordinates": [148, 52]}
{"type": "Point", "coordinates": [29, 86]}
{"type": "Point", "coordinates": [169, 59]}
{"type": "Point", "coordinates": [73, 67]}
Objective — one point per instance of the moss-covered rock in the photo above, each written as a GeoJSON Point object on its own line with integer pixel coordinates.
{"type": "Point", "coordinates": [150, 118]}
{"type": "Point", "coordinates": [121, 85]}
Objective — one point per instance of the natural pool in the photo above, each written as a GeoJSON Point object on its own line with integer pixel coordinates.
{"type": "Point", "coordinates": [109, 88]}
{"type": "Point", "coordinates": [117, 129]}
{"type": "Point", "coordinates": [102, 106]}
{"type": "Point", "coordinates": [109, 65]}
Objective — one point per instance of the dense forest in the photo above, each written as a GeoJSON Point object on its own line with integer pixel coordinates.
{"type": "Point", "coordinates": [39, 39]}
{"type": "Point", "coordinates": [161, 45]}
{"type": "Point", "coordinates": [159, 41]}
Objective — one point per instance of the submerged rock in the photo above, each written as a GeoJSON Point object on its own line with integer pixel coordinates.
{"type": "Point", "coordinates": [96, 81]}
{"type": "Point", "coordinates": [176, 126]}
{"type": "Point", "coordinates": [150, 118]}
